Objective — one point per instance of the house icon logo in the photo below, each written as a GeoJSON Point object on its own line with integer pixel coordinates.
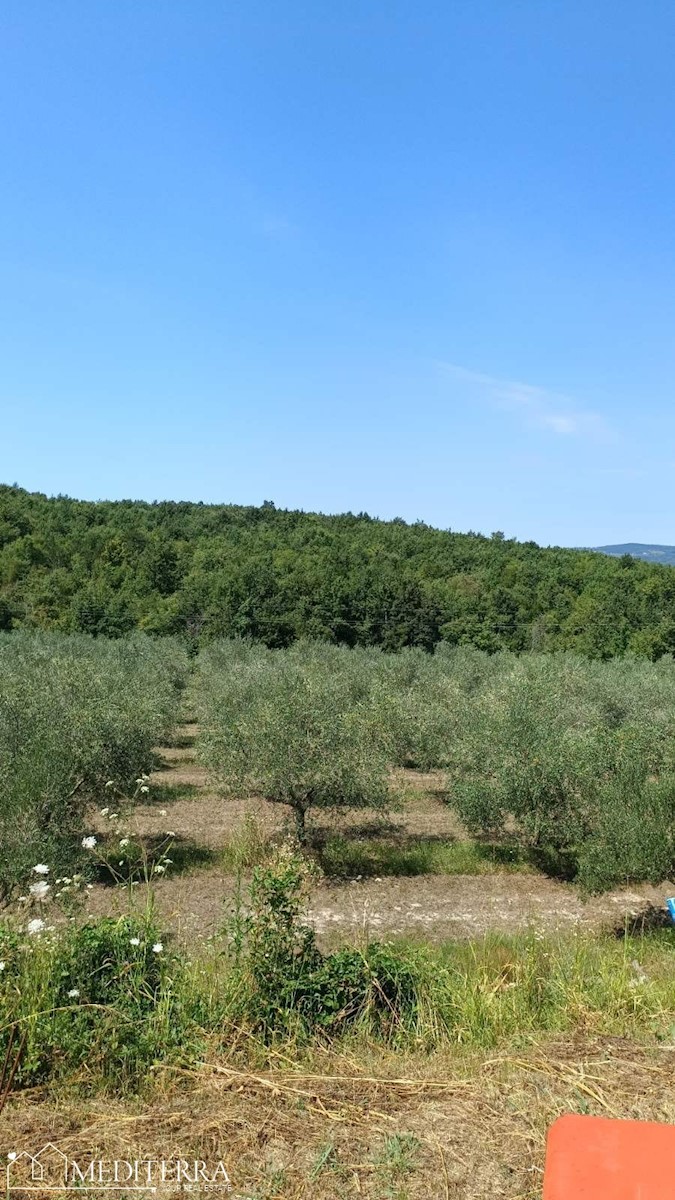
{"type": "Point", "coordinates": [50, 1170]}
{"type": "Point", "coordinates": [46, 1171]}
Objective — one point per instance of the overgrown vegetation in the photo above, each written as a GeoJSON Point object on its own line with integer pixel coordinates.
{"type": "Point", "coordinates": [106, 1001]}
{"type": "Point", "coordinates": [275, 576]}
{"type": "Point", "coordinates": [75, 713]}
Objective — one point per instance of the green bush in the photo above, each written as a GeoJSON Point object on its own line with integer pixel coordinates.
{"type": "Point", "coordinates": [634, 836]}
{"type": "Point", "coordinates": [106, 998]}
{"type": "Point", "coordinates": [289, 986]}
{"type": "Point", "coordinates": [564, 754]}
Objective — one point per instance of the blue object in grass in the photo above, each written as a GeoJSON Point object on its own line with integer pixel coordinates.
{"type": "Point", "coordinates": [670, 905]}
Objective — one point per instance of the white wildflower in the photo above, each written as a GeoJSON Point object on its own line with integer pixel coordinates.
{"type": "Point", "coordinates": [110, 783]}
{"type": "Point", "coordinates": [124, 841]}
{"type": "Point", "coordinates": [73, 993]}
{"type": "Point", "coordinates": [89, 843]}
{"type": "Point", "coordinates": [157, 948]}
{"type": "Point", "coordinates": [2, 965]}
{"type": "Point", "coordinates": [170, 833]}
{"type": "Point", "coordinates": [41, 869]}
{"type": "Point", "coordinates": [104, 812]}
{"type": "Point", "coordinates": [35, 926]}
{"type": "Point", "coordinates": [134, 941]}
{"type": "Point", "coordinates": [144, 788]}
{"type": "Point", "coordinates": [39, 891]}
{"type": "Point", "coordinates": [640, 974]}
{"type": "Point", "coordinates": [159, 869]}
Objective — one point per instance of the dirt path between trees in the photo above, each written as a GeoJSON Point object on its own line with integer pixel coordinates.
{"type": "Point", "coordinates": [435, 907]}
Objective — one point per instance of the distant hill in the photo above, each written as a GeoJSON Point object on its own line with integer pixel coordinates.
{"type": "Point", "coordinates": [270, 575]}
{"type": "Point", "coordinates": [653, 554]}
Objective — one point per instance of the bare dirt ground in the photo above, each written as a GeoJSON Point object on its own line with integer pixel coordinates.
{"type": "Point", "coordinates": [434, 907]}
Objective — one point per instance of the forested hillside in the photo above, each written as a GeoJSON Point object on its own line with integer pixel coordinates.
{"type": "Point", "coordinates": [273, 575]}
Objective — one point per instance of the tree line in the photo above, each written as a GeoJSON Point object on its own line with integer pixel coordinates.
{"type": "Point", "coordinates": [272, 575]}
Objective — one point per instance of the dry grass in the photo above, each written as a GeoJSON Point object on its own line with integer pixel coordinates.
{"type": "Point", "coordinates": [379, 1126]}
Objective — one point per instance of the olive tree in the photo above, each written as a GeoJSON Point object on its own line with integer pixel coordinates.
{"type": "Point", "coordinates": [295, 727]}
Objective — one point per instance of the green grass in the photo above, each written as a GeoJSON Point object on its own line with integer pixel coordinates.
{"type": "Point", "coordinates": [511, 989]}
{"type": "Point", "coordinates": [500, 992]}
{"type": "Point", "coordinates": [342, 858]}
{"type": "Point", "coordinates": [395, 1162]}
{"type": "Point", "coordinates": [169, 793]}
{"type": "Point", "coordinates": [247, 847]}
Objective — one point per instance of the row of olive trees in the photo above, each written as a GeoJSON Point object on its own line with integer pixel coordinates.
{"type": "Point", "coordinates": [576, 757]}
{"type": "Point", "coordinates": [74, 713]}
{"type": "Point", "coordinates": [571, 757]}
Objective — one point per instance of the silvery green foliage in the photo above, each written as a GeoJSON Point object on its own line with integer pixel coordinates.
{"type": "Point", "coordinates": [75, 712]}
{"type": "Point", "coordinates": [570, 756]}
{"type": "Point", "coordinates": [566, 754]}
{"type": "Point", "coordinates": [298, 726]}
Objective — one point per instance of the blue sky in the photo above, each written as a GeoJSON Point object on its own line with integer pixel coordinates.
{"type": "Point", "coordinates": [410, 257]}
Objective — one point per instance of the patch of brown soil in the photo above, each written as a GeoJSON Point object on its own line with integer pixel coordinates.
{"type": "Point", "coordinates": [435, 908]}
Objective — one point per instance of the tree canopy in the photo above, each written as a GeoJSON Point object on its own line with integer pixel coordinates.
{"type": "Point", "coordinates": [274, 575]}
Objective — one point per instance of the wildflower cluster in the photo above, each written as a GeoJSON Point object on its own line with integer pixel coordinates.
{"type": "Point", "coordinates": [68, 890]}
{"type": "Point", "coordinates": [121, 853]}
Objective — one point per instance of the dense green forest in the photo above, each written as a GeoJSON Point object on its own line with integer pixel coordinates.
{"type": "Point", "coordinates": [275, 575]}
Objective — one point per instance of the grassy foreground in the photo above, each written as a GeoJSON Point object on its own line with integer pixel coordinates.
{"type": "Point", "coordinates": [387, 1070]}
{"type": "Point", "coordinates": [361, 1121]}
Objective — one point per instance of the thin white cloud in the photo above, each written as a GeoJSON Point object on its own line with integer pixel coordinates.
{"type": "Point", "coordinates": [539, 407]}
{"type": "Point", "coordinates": [278, 227]}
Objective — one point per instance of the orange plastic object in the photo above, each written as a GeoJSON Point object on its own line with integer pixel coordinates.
{"type": "Point", "coordinates": [592, 1158]}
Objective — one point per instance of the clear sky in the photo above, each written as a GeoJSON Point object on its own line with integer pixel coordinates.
{"type": "Point", "coordinates": [413, 257]}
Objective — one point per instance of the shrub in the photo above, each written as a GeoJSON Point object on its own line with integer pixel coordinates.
{"type": "Point", "coordinates": [634, 836]}
{"type": "Point", "coordinates": [563, 753]}
{"type": "Point", "coordinates": [291, 987]}
{"type": "Point", "coordinates": [106, 996]}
